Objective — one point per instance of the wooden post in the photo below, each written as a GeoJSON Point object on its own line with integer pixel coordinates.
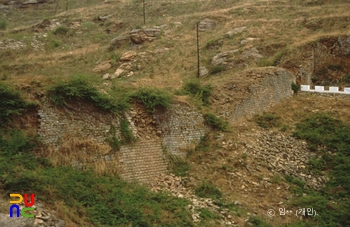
{"type": "Point", "coordinates": [144, 12]}
{"type": "Point", "coordinates": [198, 66]}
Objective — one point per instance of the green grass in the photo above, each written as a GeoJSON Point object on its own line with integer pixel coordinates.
{"type": "Point", "coordinates": [215, 122]}
{"type": "Point", "coordinates": [325, 133]}
{"type": "Point", "coordinates": [101, 200]}
{"type": "Point", "coordinates": [3, 24]}
{"type": "Point", "coordinates": [268, 120]}
{"type": "Point", "coordinates": [11, 103]}
{"type": "Point", "coordinates": [178, 166]}
{"type": "Point", "coordinates": [127, 134]}
{"type": "Point", "coordinates": [197, 91]}
{"type": "Point", "coordinates": [81, 88]}
{"type": "Point", "coordinates": [61, 30]}
{"type": "Point", "coordinates": [208, 190]}
{"type": "Point", "coordinates": [153, 98]}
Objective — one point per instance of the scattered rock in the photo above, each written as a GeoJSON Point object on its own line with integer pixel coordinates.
{"type": "Point", "coordinates": [11, 44]}
{"type": "Point", "coordinates": [234, 32]}
{"type": "Point", "coordinates": [252, 53]}
{"type": "Point", "coordinates": [207, 25]}
{"type": "Point", "coordinates": [106, 76]}
{"type": "Point", "coordinates": [249, 39]}
{"type": "Point", "coordinates": [128, 56]}
{"type": "Point", "coordinates": [222, 57]}
{"type": "Point", "coordinates": [286, 155]}
{"type": "Point", "coordinates": [118, 73]}
{"type": "Point", "coordinates": [177, 187]}
{"type": "Point", "coordinates": [102, 67]}
{"type": "Point", "coordinates": [203, 71]}
{"type": "Point", "coordinates": [103, 18]}
{"type": "Point", "coordinates": [161, 50]}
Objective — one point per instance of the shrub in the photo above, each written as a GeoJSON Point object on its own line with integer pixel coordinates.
{"type": "Point", "coordinates": [215, 122]}
{"type": "Point", "coordinates": [323, 130]}
{"type": "Point", "coordinates": [79, 88]}
{"type": "Point", "coordinates": [153, 98]}
{"type": "Point", "coordinates": [195, 89]}
{"type": "Point", "coordinates": [113, 141]}
{"type": "Point", "coordinates": [208, 190]}
{"type": "Point", "coordinates": [206, 214]}
{"type": "Point", "coordinates": [126, 132]}
{"type": "Point", "coordinates": [3, 24]}
{"type": "Point", "coordinates": [295, 87]}
{"type": "Point", "coordinates": [11, 103]}
{"type": "Point", "coordinates": [178, 166]}
{"type": "Point", "coordinates": [217, 69]}
{"type": "Point", "coordinates": [61, 30]}
{"type": "Point", "coordinates": [268, 120]}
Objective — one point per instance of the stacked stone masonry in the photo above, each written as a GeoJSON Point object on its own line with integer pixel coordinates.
{"type": "Point", "coordinates": [180, 125]}
{"type": "Point", "coordinates": [272, 89]}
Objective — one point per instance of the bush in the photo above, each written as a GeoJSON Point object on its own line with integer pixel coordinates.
{"type": "Point", "coordinates": [153, 98]}
{"type": "Point", "coordinates": [268, 120]}
{"type": "Point", "coordinates": [11, 104]}
{"type": "Point", "coordinates": [126, 132]}
{"type": "Point", "coordinates": [3, 24]}
{"type": "Point", "coordinates": [216, 122]}
{"type": "Point", "coordinates": [178, 166]}
{"type": "Point", "coordinates": [195, 89]}
{"type": "Point", "coordinates": [217, 69]}
{"type": "Point", "coordinates": [208, 190]}
{"type": "Point", "coordinates": [61, 30]}
{"type": "Point", "coordinates": [295, 87]}
{"type": "Point", "coordinates": [79, 89]}
{"type": "Point", "coordinates": [206, 214]}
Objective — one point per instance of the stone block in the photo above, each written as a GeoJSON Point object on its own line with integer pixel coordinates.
{"type": "Point", "coordinates": [305, 87]}
{"type": "Point", "coordinates": [347, 90]}
{"type": "Point", "coordinates": [333, 89]}
{"type": "Point", "coordinates": [319, 88]}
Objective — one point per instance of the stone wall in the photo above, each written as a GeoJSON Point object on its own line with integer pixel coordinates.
{"type": "Point", "coordinates": [181, 125]}
{"type": "Point", "coordinates": [84, 128]}
{"type": "Point", "coordinates": [273, 88]}
{"type": "Point", "coordinates": [142, 161]}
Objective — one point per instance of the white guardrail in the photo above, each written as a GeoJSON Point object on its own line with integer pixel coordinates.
{"type": "Point", "coordinates": [321, 89]}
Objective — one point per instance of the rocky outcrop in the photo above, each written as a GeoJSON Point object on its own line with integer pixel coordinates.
{"type": "Point", "coordinates": [223, 57]}
{"type": "Point", "coordinates": [138, 36]}
{"type": "Point", "coordinates": [234, 32]}
{"type": "Point", "coordinates": [207, 25]}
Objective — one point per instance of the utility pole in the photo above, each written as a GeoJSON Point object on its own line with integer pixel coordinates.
{"type": "Point", "coordinates": [198, 66]}
{"type": "Point", "coordinates": [144, 12]}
